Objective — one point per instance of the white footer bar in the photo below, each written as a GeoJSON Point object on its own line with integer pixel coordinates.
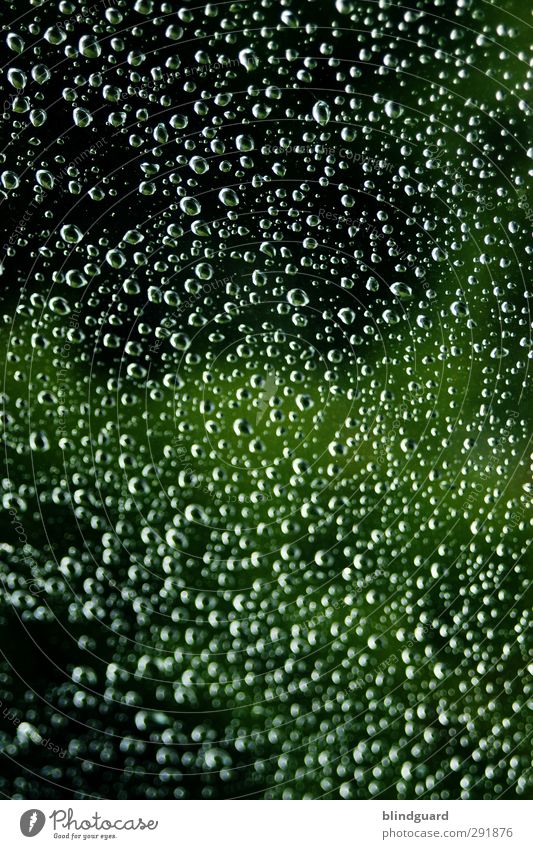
{"type": "Point", "coordinates": [267, 825]}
